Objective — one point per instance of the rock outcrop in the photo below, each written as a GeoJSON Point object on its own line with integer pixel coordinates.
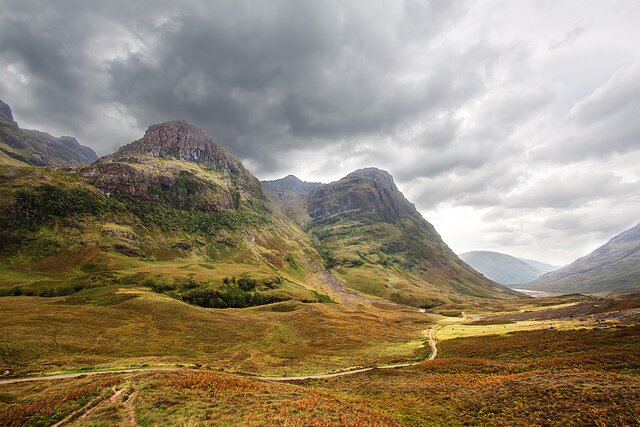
{"type": "Point", "coordinates": [369, 191]}
{"type": "Point", "coordinates": [177, 163]}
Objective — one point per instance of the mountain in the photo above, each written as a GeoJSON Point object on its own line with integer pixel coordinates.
{"type": "Point", "coordinates": [613, 267]}
{"type": "Point", "coordinates": [169, 207]}
{"type": "Point", "coordinates": [24, 146]}
{"type": "Point", "coordinates": [541, 266]}
{"type": "Point", "coordinates": [290, 194]}
{"type": "Point", "coordinates": [290, 184]}
{"type": "Point", "coordinates": [504, 268]}
{"type": "Point", "coordinates": [177, 163]}
{"type": "Point", "coordinates": [378, 243]}
{"type": "Point", "coordinates": [174, 205]}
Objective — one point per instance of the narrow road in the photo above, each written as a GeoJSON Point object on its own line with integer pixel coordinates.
{"type": "Point", "coordinates": [432, 344]}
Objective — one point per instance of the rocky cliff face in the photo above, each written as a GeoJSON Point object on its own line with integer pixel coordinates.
{"type": "Point", "coordinates": [38, 148]}
{"type": "Point", "coordinates": [5, 112]}
{"type": "Point", "coordinates": [364, 192]}
{"type": "Point", "coordinates": [177, 163]}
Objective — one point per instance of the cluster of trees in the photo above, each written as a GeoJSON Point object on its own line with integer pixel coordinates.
{"type": "Point", "coordinates": [240, 292]}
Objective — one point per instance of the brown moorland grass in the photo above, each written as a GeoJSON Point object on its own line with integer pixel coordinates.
{"type": "Point", "coordinates": [547, 377]}
{"type": "Point", "coordinates": [500, 388]}
{"type": "Point", "coordinates": [42, 404]}
{"type": "Point", "coordinates": [120, 327]}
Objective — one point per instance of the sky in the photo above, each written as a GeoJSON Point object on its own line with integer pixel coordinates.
{"type": "Point", "coordinates": [513, 126]}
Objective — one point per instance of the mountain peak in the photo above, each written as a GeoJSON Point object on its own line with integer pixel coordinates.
{"type": "Point", "coordinates": [290, 184]}
{"type": "Point", "coordinates": [182, 141]}
{"type": "Point", "coordinates": [373, 173]}
{"type": "Point", "coordinates": [176, 139]}
{"type": "Point", "coordinates": [368, 190]}
{"type": "Point", "coordinates": [5, 112]}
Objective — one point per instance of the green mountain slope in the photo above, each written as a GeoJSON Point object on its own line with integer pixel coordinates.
{"type": "Point", "coordinates": [379, 244]}
{"type": "Point", "coordinates": [503, 268]}
{"type": "Point", "coordinates": [23, 146]}
{"type": "Point", "coordinates": [173, 211]}
{"type": "Point", "coordinates": [613, 267]}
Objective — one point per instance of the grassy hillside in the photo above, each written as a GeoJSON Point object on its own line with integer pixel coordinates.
{"type": "Point", "coordinates": [380, 245]}
{"type": "Point", "coordinates": [613, 267]}
{"type": "Point", "coordinates": [502, 268]}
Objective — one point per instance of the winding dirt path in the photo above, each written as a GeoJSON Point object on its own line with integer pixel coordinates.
{"type": "Point", "coordinates": [434, 353]}
{"type": "Point", "coordinates": [85, 374]}
{"type": "Point", "coordinates": [432, 344]}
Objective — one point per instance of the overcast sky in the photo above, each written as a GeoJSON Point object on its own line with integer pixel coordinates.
{"type": "Point", "coordinates": [513, 126]}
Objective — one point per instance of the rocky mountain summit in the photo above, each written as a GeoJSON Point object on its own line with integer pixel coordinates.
{"type": "Point", "coordinates": [182, 141]}
{"type": "Point", "coordinates": [37, 148]}
{"type": "Point", "coordinates": [178, 163]}
{"type": "Point", "coordinates": [365, 192]}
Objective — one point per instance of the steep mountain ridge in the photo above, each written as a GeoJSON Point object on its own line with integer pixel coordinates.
{"type": "Point", "coordinates": [613, 267]}
{"type": "Point", "coordinates": [503, 268]}
{"type": "Point", "coordinates": [25, 146]}
{"type": "Point", "coordinates": [379, 244]}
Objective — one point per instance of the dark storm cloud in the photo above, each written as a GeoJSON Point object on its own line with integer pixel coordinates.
{"type": "Point", "coordinates": [307, 74]}
{"type": "Point", "coordinates": [258, 77]}
{"type": "Point", "coordinates": [52, 54]}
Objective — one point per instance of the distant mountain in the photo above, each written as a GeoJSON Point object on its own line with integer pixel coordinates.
{"type": "Point", "coordinates": [290, 184]}
{"type": "Point", "coordinates": [23, 146]}
{"type": "Point", "coordinates": [613, 267]}
{"type": "Point", "coordinates": [504, 268]}
{"type": "Point", "coordinates": [379, 244]}
{"type": "Point", "coordinates": [289, 193]}
{"type": "Point", "coordinates": [541, 266]}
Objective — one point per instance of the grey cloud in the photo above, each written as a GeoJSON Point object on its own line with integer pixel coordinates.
{"type": "Point", "coordinates": [570, 191]}
{"type": "Point", "coordinates": [603, 124]}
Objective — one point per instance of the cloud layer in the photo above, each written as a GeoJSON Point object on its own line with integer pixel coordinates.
{"type": "Point", "coordinates": [512, 126]}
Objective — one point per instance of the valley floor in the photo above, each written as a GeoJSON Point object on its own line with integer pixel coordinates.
{"type": "Point", "coordinates": [556, 361]}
